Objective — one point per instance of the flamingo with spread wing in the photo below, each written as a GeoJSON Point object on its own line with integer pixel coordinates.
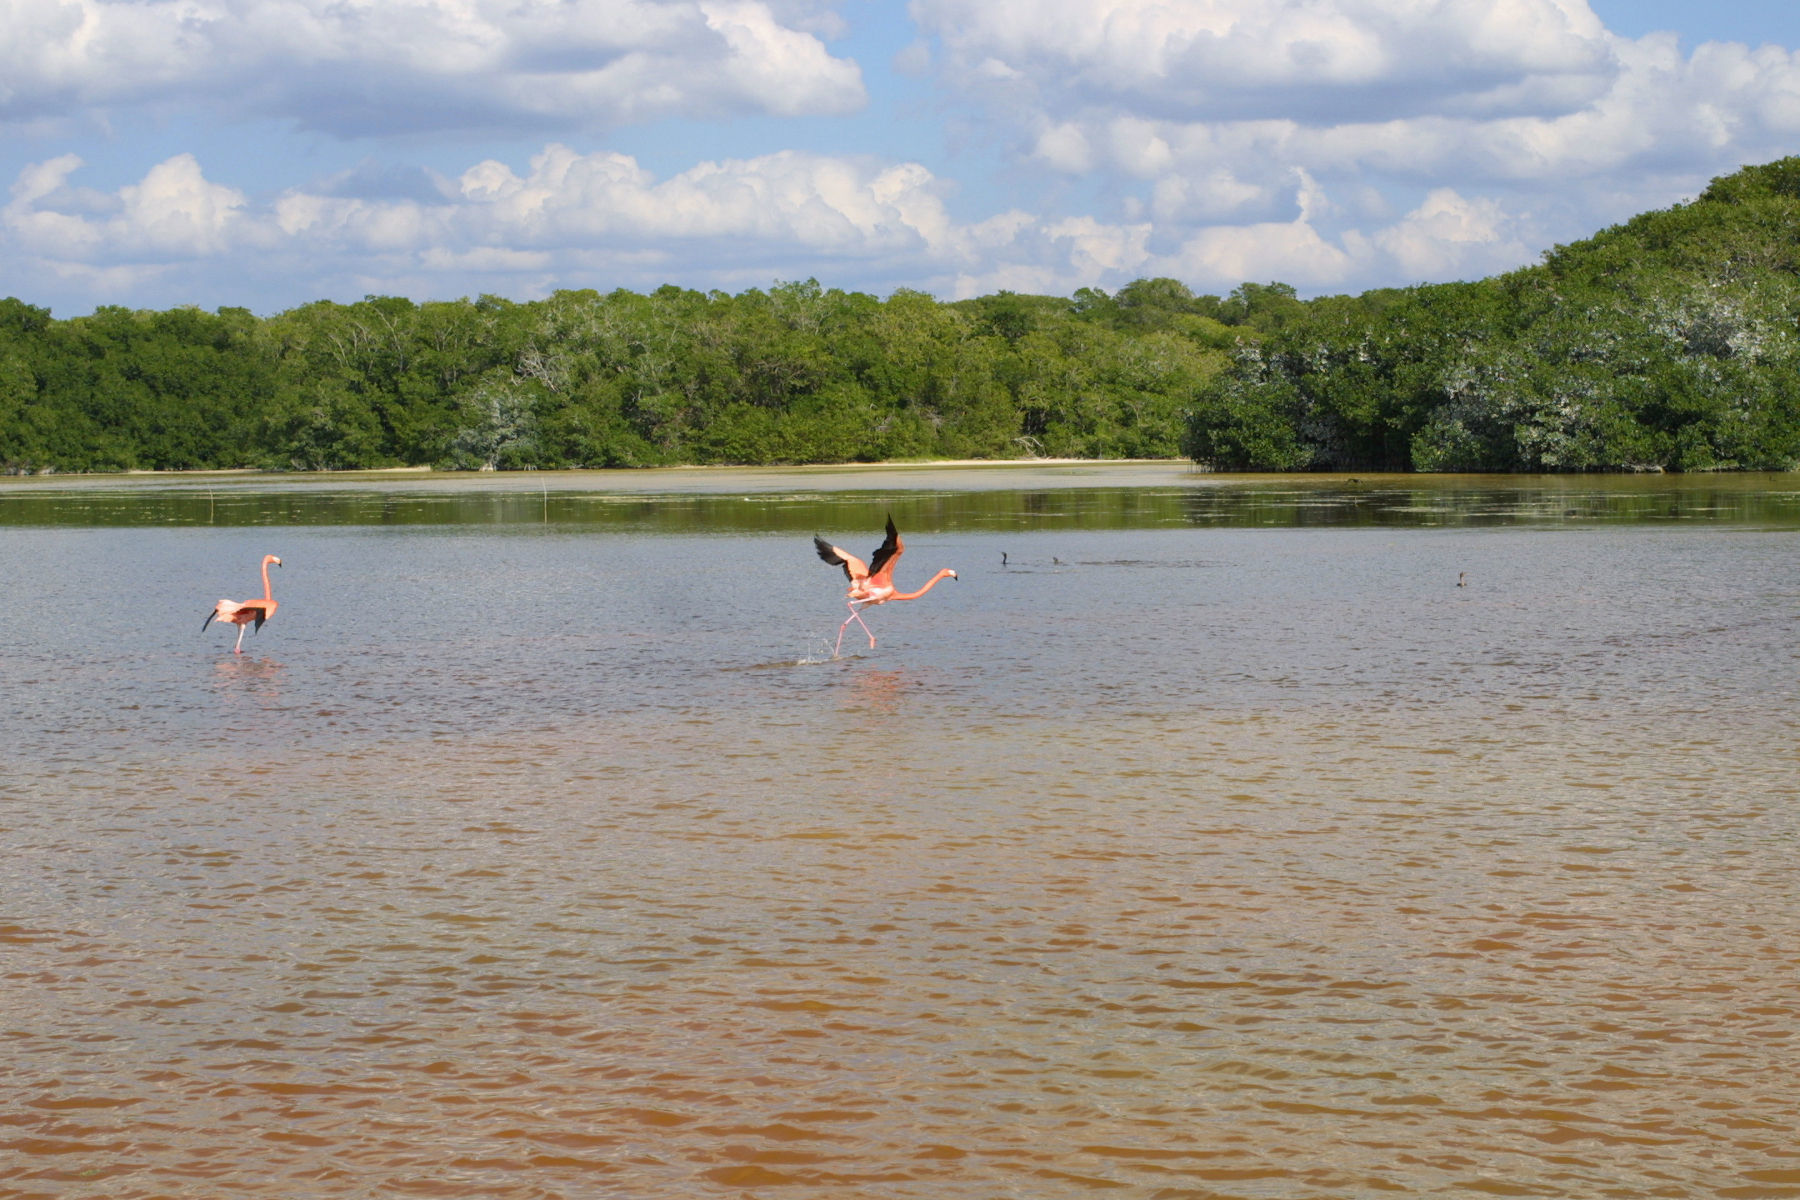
{"type": "Point", "coordinates": [873, 583]}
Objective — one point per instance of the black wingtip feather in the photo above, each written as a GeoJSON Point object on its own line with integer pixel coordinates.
{"type": "Point", "coordinates": [885, 552]}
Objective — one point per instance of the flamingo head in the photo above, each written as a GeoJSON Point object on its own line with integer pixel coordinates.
{"type": "Point", "coordinates": [270, 558]}
{"type": "Point", "coordinates": [952, 574]}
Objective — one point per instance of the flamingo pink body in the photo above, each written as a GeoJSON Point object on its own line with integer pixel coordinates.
{"type": "Point", "coordinates": [873, 583]}
{"type": "Point", "coordinates": [244, 612]}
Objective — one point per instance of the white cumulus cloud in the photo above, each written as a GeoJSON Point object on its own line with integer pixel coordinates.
{"type": "Point", "coordinates": [1520, 122]}
{"type": "Point", "coordinates": [1448, 236]}
{"type": "Point", "coordinates": [759, 215]}
{"type": "Point", "coordinates": [1240, 59]}
{"type": "Point", "coordinates": [360, 68]}
{"type": "Point", "coordinates": [172, 213]}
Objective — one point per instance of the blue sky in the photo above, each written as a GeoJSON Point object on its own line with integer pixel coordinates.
{"type": "Point", "coordinates": [268, 153]}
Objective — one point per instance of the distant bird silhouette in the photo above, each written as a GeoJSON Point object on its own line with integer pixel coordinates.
{"type": "Point", "coordinates": [1003, 558]}
{"type": "Point", "coordinates": [872, 584]}
{"type": "Point", "coordinates": [249, 610]}
{"type": "Point", "coordinates": [1462, 578]}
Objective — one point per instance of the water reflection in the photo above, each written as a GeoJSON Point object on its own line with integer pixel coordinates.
{"type": "Point", "coordinates": [877, 692]}
{"type": "Point", "coordinates": [243, 675]}
{"type": "Point", "coordinates": [1009, 497]}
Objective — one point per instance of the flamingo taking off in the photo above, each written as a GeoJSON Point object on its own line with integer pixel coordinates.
{"type": "Point", "coordinates": [872, 584]}
{"type": "Point", "coordinates": [242, 614]}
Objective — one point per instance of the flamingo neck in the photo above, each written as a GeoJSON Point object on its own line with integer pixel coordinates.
{"type": "Point", "coordinates": [943, 574]}
{"type": "Point", "coordinates": [268, 591]}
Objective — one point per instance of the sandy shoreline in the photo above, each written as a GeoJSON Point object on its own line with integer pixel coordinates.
{"type": "Point", "coordinates": [892, 464]}
{"type": "Point", "coordinates": [935, 475]}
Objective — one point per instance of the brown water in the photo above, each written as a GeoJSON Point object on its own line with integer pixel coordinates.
{"type": "Point", "coordinates": [1201, 850]}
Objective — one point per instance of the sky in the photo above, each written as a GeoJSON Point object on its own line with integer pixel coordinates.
{"type": "Point", "coordinates": [269, 153]}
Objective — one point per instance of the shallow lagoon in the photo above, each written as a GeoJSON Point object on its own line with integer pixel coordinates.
{"type": "Point", "coordinates": [1216, 843]}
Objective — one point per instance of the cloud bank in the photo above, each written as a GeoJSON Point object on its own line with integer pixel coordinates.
{"type": "Point", "coordinates": [374, 68]}
{"type": "Point", "coordinates": [1331, 144]}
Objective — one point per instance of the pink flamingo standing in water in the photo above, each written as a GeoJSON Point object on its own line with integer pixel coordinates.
{"type": "Point", "coordinates": [249, 610]}
{"type": "Point", "coordinates": [872, 584]}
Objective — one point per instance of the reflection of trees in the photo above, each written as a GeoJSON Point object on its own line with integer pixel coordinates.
{"type": "Point", "coordinates": [1277, 502]}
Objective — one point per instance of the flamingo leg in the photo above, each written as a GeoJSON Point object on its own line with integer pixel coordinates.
{"type": "Point", "coordinates": [239, 648]}
{"type": "Point", "coordinates": [857, 617]}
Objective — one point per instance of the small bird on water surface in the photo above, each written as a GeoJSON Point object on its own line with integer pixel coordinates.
{"type": "Point", "coordinates": [242, 614]}
{"type": "Point", "coordinates": [873, 583]}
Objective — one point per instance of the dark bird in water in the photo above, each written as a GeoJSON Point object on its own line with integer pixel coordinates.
{"type": "Point", "coordinates": [1462, 579]}
{"type": "Point", "coordinates": [872, 584]}
{"type": "Point", "coordinates": [1003, 558]}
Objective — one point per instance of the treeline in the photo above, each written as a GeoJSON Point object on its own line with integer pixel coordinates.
{"type": "Point", "coordinates": [794, 374]}
{"type": "Point", "coordinates": [1671, 342]}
